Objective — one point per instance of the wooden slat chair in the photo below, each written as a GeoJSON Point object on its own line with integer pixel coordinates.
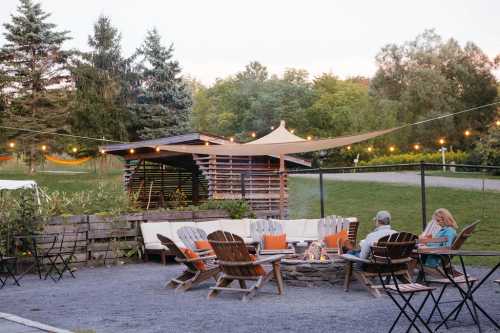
{"type": "Point", "coordinates": [260, 228]}
{"type": "Point", "coordinates": [335, 224]}
{"type": "Point", "coordinates": [390, 253]}
{"type": "Point", "coordinates": [364, 271]}
{"type": "Point", "coordinates": [189, 235]}
{"type": "Point", "coordinates": [192, 276]}
{"type": "Point", "coordinates": [237, 265]}
{"type": "Point", "coordinates": [457, 245]}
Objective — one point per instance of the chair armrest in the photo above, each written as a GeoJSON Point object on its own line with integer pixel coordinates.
{"type": "Point", "coordinates": [257, 262]}
{"type": "Point", "coordinates": [266, 259]}
{"type": "Point", "coordinates": [353, 258]}
{"type": "Point", "coordinates": [205, 258]}
{"type": "Point", "coordinates": [433, 240]}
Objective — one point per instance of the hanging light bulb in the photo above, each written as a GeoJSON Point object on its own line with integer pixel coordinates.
{"type": "Point", "coordinates": [497, 122]}
{"type": "Point", "coordinates": [272, 128]}
{"type": "Point", "coordinates": [253, 135]}
{"type": "Point", "coordinates": [392, 149]}
{"type": "Point", "coordinates": [74, 149]}
{"type": "Point", "coordinates": [12, 144]}
{"type": "Point", "coordinates": [309, 138]}
{"type": "Point", "coordinates": [207, 143]}
{"type": "Point", "coordinates": [132, 150]}
{"type": "Point", "coordinates": [44, 147]}
{"type": "Point", "coordinates": [369, 149]}
{"type": "Point", "coordinates": [103, 151]}
{"type": "Point", "coordinates": [416, 146]}
{"type": "Point", "coordinates": [231, 139]}
{"type": "Point", "coordinates": [441, 141]}
{"type": "Point", "coordinates": [467, 133]}
{"type": "Point", "coordinates": [157, 149]}
{"type": "Point", "coordinates": [292, 131]}
{"type": "Point", "coordinates": [349, 147]}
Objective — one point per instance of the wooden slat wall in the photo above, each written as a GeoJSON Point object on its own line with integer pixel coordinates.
{"type": "Point", "coordinates": [223, 173]}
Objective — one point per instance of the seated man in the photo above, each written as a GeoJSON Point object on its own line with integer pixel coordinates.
{"type": "Point", "coordinates": [382, 228]}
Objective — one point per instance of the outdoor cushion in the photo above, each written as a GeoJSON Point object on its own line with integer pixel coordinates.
{"type": "Point", "coordinates": [155, 246]}
{"type": "Point", "coordinates": [190, 254]}
{"type": "Point", "coordinates": [238, 227]}
{"type": "Point", "coordinates": [274, 242]}
{"type": "Point", "coordinates": [293, 228]}
{"type": "Point", "coordinates": [258, 269]}
{"type": "Point", "coordinates": [209, 226]}
{"type": "Point", "coordinates": [203, 245]}
{"type": "Point", "coordinates": [334, 240]}
{"type": "Point", "coordinates": [150, 229]}
{"type": "Point", "coordinates": [311, 229]}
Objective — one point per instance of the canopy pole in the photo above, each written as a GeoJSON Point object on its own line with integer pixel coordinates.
{"type": "Point", "coordinates": [282, 186]}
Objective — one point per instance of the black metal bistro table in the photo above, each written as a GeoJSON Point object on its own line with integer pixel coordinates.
{"type": "Point", "coordinates": [467, 293]}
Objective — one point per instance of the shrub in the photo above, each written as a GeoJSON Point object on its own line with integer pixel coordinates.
{"type": "Point", "coordinates": [237, 209]}
{"type": "Point", "coordinates": [458, 157]}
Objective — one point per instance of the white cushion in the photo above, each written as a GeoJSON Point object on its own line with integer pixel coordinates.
{"type": "Point", "coordinates": [293, 228]}
{"type": "Point", "coordinates": [150, 229]}
{"type": "Point", "coordinates": [155, 246]}
{"type": "Point", "coordinates": [209, 226]}
{"type": "Point", "coordinates": [238, 227]}
{"type": "Point", "coordinates": [311, 229]}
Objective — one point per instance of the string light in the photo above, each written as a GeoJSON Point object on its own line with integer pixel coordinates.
{"type": "Point", "coordinates": [103, 151]}
{"type": "Point", "coordinates": [416, 146]}
{"type": "Point", "coordinates": [348, 147]}
{"type": "Point", "coordinates": [497, 122]}
{"type": "Point", "coordinates": [391, 149]}
{"type": "Point", "coordinates": [231, 139]}
{"type": "Point", "coordinates": [74, 149]}
{"type": "Point", "coordinates": [292, 131]}
{"type": "Point", "coordinates": [207, 143]}
{"type": "Point", "coordinates": [44, 147]}
{"type": "Point", "coordinates": [12, 144]}
{"type": "Point", "coordinates": [272, 128]}
{"type": "Point", "coordinates": [442, 141]}
{"type": "Point", "coordinates": [370, 149]}
{"type": "Point", "coordinates": [309, 138]}
{"type": "Point", "coordinates": [132, 150]}
{"type": "Point", "coordinates": [467, 133]}
{"type": "Point", "coordinates": [253, 135]}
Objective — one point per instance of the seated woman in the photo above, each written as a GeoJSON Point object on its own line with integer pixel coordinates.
{"type": "Point", "coordinates": [447, 233]}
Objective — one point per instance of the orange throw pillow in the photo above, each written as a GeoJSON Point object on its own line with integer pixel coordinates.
{"type": "Point", "coordinates": [275, 242]}
{"type": "Point", "coordinates": [258, 269]}
{"type": "Point", "coordinates": [334, 240]}
{"type": "Point", "coordinates": [203, 245]}
{"type": "Point", "coordinates": [190, 254]}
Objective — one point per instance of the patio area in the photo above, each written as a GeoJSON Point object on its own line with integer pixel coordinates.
{"type": "Point", "coordinates": [132, 298]}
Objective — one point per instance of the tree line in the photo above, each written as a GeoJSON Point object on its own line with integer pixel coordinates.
{"type": "Point", "coordinates": [102, 93]}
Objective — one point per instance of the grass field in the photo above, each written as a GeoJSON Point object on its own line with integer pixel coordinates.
{"type": "Point", "coordinates": [364, 199]}
{"type": "Point", "coordinates": [360, 199]}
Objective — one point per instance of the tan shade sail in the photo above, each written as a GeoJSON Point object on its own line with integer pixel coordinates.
{"type": "Point", "coordinates": [279, 135]}
{"type": "Point", "coordinates": [282, 148]}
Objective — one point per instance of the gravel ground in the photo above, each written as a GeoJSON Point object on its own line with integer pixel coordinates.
{"type": "Point", "coordinates": [412, 178]}
{"type": "Point", "coordinates": [131, 298]}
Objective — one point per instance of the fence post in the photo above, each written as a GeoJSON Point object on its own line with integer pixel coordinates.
{"type": "Point", "coordinates": [321, 192]}
{"type": "Point", "coordinates": [242, 184]}
{"type": "Point", "coordinates": [423, 198]}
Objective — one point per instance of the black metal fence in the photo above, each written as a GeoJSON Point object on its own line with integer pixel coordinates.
{"type": "Point", "coordinates": [422, 170]}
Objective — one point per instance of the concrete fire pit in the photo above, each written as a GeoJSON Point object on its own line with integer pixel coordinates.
{"type": "Point", "coordinates": [312, 273]}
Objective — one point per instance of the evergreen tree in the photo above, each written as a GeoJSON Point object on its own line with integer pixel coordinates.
{"type": "Point", "coordinates": [163, 101]}
{"type": "Point", "coordinates": [99, 108]}
{"type": "Point", "coordinates": [35, 65]}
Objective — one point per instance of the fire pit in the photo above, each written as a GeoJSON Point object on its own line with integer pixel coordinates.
{"type": "Point", "coordinates": [312, 268]}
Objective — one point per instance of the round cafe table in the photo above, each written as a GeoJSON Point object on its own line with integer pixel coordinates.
{"type": "Point", "coordinates": [466, 293]}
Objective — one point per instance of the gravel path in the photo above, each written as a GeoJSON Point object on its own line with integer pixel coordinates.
{"type": "Point", "coordinates": [131, 298]}
{"type": "Point", "coordinates": [412, 178]}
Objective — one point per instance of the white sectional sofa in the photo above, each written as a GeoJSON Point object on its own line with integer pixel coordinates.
{"type": "Point", "coordinates": [296, 230]}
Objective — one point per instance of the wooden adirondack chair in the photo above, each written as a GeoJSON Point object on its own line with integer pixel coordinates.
{"type": "Point", "coordinates": [457, 244]}
{"type": "Point", "coordinates": [335, 224]}
{"type": "Point", "coordinates": [192, 276]}
{"type": "Point", "coordinates": [268, 227]}
{"type": "Point", "coordinates": [365, 270]}
{"type": "Point", "coordinates": [189, 236]}
{"type": "Point", "coordinates": [237, 265]}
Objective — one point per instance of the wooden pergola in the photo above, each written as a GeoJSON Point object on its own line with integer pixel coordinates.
{"type": "Point", "coordinates": [162, 178]}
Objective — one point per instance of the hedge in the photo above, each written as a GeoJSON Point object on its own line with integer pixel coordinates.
{"type": "Point", "coordinates": [458, 157]}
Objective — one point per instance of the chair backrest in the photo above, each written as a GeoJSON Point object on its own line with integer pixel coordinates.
{"type": "Point", "coordinates": [231, 249]}
{"type": "Point", "coordinates": [264, 227]}
{"type": "Point", "coordinates": [189, 236]}
{"type": "Point", "coordinates": [332, 225]}
{"type": "Point", "coordinates": [463, 235]}
{"type": "Point", "coordinates": [394, 248]}
{"type": "Point", "coordinates": [175, 250]}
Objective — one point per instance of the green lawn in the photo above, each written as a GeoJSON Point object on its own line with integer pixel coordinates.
{"type": "Point", "coordinates": [363, 200]}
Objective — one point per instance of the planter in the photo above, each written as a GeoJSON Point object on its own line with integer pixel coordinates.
{"type": "Point", "coordinates": [207, 215]}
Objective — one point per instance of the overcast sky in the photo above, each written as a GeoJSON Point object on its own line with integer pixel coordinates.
{"type": "Point", "coordinates": [216, 38]}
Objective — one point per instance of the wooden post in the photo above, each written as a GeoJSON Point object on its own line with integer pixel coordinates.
{"type": "Point", "coordinates": [282, 186]}
{"type": "Point", "coordinates": [195, 186]}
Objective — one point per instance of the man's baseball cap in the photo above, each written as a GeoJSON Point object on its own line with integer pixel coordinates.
{"type": "Point", "coordinates": [383, 216]}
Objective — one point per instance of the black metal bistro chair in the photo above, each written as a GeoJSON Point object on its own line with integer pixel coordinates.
{"type": "Point", "coordinates": [60, 257]}
{"type": "Point", "coordinates": [389, 254]}
{"type": "Point", "coordinates": [7, 266]}
{"type": "Point", "coordinates": [36, 247]}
